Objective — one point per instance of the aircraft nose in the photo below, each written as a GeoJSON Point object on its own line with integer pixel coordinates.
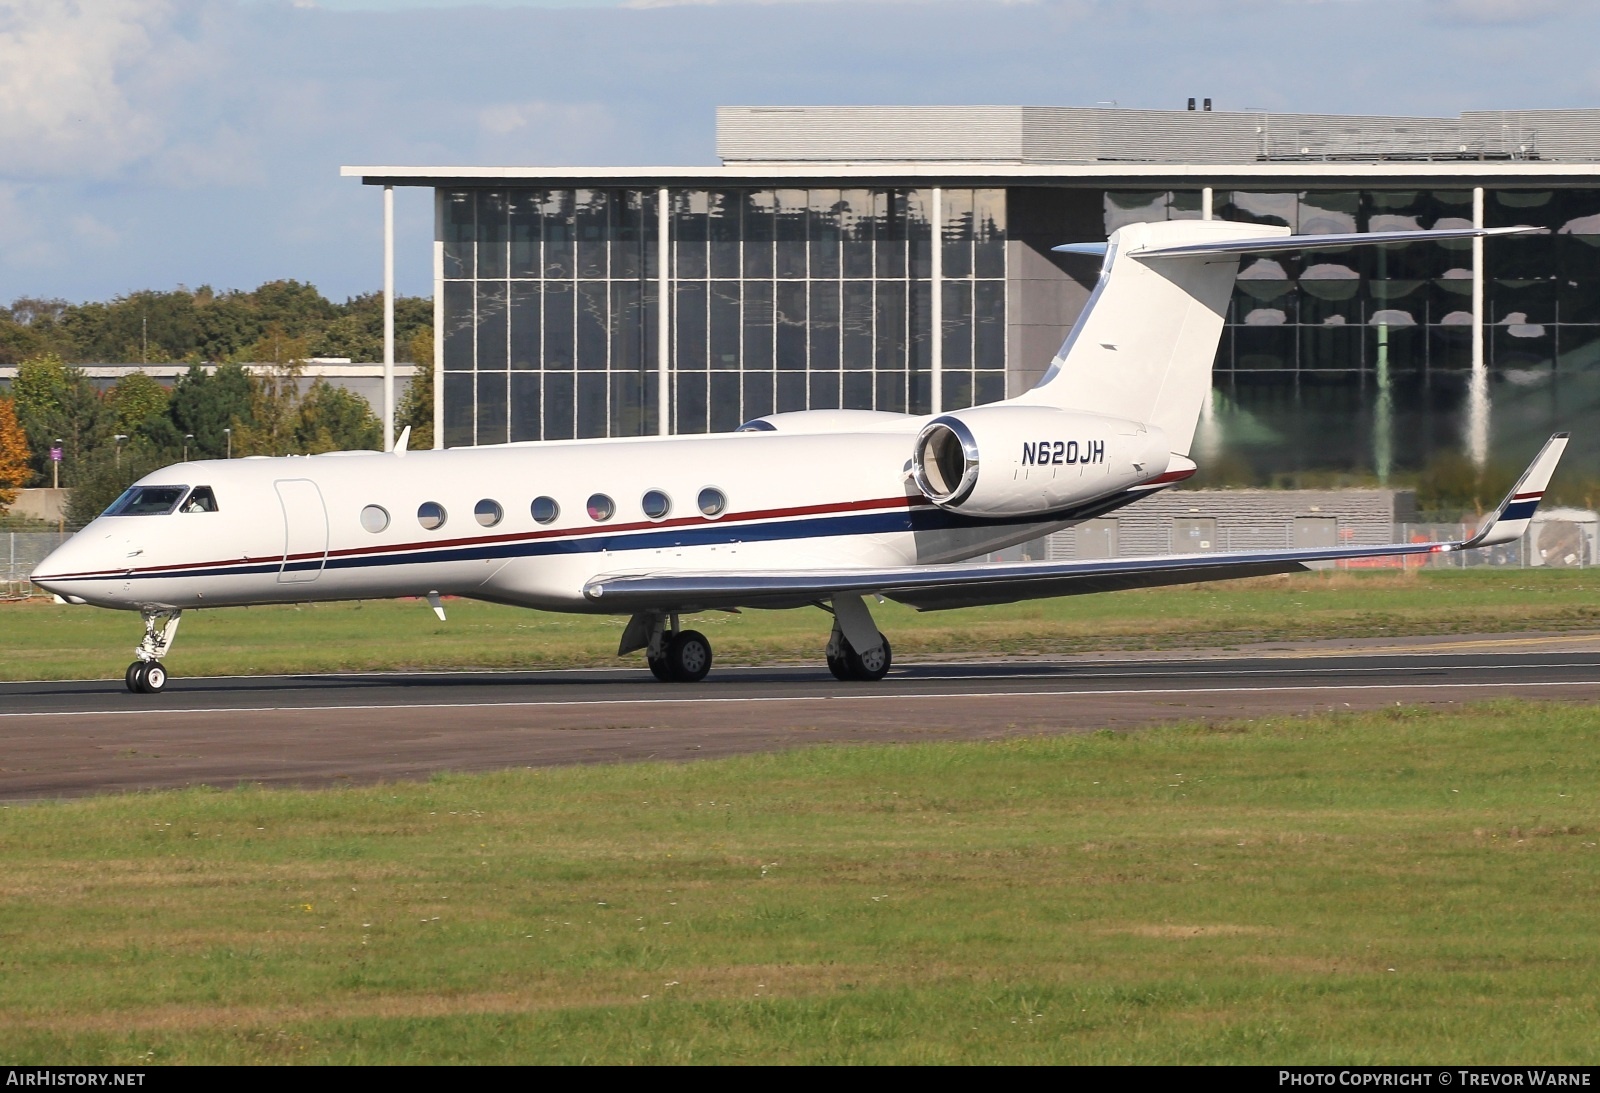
{"type": "Point", "coordinates": [68, 571]}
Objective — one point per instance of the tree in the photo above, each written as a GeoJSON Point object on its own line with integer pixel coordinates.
{"type": "Point", "coordinates": [14, 468]}
{"type": "Point", "coordinates": [106, 473]}
{"type": "Point", "coordinates": [331, 419]}
{"type": "Point", "coordinates": [416, 405]}
{"type": "Point", "coordinates": [204, 405]}
{"type": "Point", "coordinates": [135, 399]}
{"type": "Point", "coordinates": [274, 396]}
{"type": "Point", "coordinates": [55, 400]}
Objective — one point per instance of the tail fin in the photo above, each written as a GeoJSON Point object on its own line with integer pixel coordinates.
{"type": "Point", "coordinates": [1143, 347]}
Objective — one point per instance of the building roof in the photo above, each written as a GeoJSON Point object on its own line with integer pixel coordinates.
{"type": "Point", "coordinates": [1092, 146]}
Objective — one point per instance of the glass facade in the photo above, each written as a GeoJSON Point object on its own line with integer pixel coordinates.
{"type": "Point", "coordinates": [817, 298]}
{"type": "Point", "coordinates": [786, 299]}
{"type": "Point", "coordinates": [549, 308]}
{"type": "Point", "coordinates": [1368, 350]}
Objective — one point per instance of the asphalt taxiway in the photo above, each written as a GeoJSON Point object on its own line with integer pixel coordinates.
{"type": "Point", "coordinates": [74, 738]}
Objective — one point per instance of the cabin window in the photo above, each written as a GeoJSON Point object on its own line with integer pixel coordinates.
{"type": "Point", "coordinates": [712, 502]}
{"type": "Point", "coordinates": [431, 515]}
{"type": "Point", "coordinates": [147, 501]}
{"type": "Point", "coordinates": [545, 510]}
{"type": "Point", "coordinates": [488, 513]}
{"type": "Point", "coordinates": [375, 518]}
{"type": "Point", "coordinates": [601, 508]}
{"type": "Point", "coordinates": [656, 504]}
{"type": "Point", "coordinates": [201, 499]}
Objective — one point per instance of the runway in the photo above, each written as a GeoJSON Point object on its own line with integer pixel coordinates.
{"type": "Point", "coordinates": [76, 738]}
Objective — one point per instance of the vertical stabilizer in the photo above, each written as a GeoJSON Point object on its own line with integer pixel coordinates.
{"type": "Point", "coordinates": [1143, 348]}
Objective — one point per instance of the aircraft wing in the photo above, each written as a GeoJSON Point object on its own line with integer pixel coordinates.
{"type": "Point", "coordinates": [967, 584]}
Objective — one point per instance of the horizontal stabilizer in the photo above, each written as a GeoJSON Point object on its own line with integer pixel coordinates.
{"type": "Point", "coordinates": [1221, 247]}
{"type": "Point", "coordinates": [968, 584]}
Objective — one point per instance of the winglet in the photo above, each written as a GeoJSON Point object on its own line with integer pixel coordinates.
{"type": "Point", "coordinates": [1511, 519]}
{"type": "Point", "coordinates": [404, 439]}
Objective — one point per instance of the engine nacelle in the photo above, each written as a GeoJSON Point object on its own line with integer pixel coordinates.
{"type": "Point", "coordinates": [1031, 460]}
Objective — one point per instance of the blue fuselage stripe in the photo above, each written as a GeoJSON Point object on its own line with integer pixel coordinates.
{"type": "Point", "coordinates": [888, 521]}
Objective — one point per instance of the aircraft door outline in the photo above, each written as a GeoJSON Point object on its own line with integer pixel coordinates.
{"type": "Point", "coordinates": [305, 529]}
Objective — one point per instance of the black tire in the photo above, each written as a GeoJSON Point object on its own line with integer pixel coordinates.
{"type": "Point", "coordinates": [840, 667]}
{"type": "Point", "coordinates": [131, 676]}
{"type": "Point", "coordinates": [153, 680]}
{"type": "Point", "coordinates": [873, 666]}
{"type": "Point", "coordinates": [658, 667]}
{"type": "Point", "coordinates": [688, 657]}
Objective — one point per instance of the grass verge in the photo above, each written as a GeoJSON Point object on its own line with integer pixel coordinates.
{"type": "Point", "coordinates": [39, 640]}
{"type": "Point", "coordinates": [1385, 888]}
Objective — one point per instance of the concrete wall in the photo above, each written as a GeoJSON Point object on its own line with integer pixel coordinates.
{"type": "Point", "coordinates": [46, 504]}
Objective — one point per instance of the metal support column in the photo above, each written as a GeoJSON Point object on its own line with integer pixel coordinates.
{"type": "Point", "coordinates": [936, 308]}
{"type": "Point", "coordinates": [663, 313]}
{"type": "Point", "coordinates": [388, 318]}
{"type": "Point", "coordinates": [1478, 384]}
{"type": "Point", "coordinates": [1205, 203]}
{"type": "Point", "coordinates": [438, 320]}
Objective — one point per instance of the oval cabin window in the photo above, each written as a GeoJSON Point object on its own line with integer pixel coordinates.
{"type": "Point", "coordinates": [712, 502]}
{"type": "Point", "coordinates": [488, 513]}
{"type": "Point", "coordinates": [431, 515]}
{"type": "Point", "coordinates": [601, 508]}
{"type": "Point", "coordinates": [374, 518]}
{"type": "Point", "coordinates": [656, 504]}
{"type": "Point", "coordinates": [544, 510]}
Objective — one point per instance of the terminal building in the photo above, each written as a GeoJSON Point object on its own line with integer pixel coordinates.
{"type": "Point", "coordinates": [898, 258]}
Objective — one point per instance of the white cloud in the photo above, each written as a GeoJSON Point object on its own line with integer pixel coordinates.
{"type": "Point", "coordinates": [65, 70]}
{"type": "Point", "coordinates": [553, 128]}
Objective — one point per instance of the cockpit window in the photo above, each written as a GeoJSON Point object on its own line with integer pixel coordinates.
{"type": "Point", "coordinates": [201, 499]}
{"type": "Point", "coordinates": [147, 501]}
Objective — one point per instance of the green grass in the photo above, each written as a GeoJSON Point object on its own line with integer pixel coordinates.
{"type": "Point", "coordinates": [1401, 887]}
{"type": "Point", "coordinates": [39, 640]}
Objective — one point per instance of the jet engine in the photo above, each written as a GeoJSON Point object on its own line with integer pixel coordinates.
{"type": "Point", "coordinates": [1009, 460]}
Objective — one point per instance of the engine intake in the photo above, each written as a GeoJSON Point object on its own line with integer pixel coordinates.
{"type": "Point", "coordinates": [1031, 460]}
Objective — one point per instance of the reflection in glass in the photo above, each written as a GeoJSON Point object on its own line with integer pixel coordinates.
{"type": "Point", "coordinates": [712, 501]}
{"type": "Point", "coordinates": [600, 507]}
{"type": "Point", "coordinates": [656, 504]}
{"type": "Point", "coordinates": [544, 510]}
{"type": "Point", "coordinates": [491, 415]}
{"type": "Point", "coordinates": [431, 515]}
{"type": "Point", "coordinates": [488, 513]}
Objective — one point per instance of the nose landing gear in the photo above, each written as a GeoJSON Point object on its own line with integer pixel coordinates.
{"type": "Point", "coordinates": [148, 675]}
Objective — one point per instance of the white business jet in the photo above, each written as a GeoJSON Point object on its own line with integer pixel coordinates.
{"type": "Point", "coordinates": [820, 508]}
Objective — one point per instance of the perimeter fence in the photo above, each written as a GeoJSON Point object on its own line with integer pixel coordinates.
{"type": "Point", "coordinates": [20, 552]}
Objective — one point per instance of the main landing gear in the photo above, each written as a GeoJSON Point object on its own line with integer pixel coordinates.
{"type": "Point", "coordinates": [856, 651]}
{"type": "Point", "coordinates": [674, 655]}
{"type": "Point", "coordinates": [148, 675]}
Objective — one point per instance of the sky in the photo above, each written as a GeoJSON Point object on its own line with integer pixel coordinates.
{"type": "Point", "coordinates": [157, 143]}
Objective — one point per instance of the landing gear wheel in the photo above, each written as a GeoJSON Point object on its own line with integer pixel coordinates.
{"type": "Point", "coordinates": [871, 667]}
{"type": "Point", "coordinates": [839, 666]}
{"type": "Point", "coordinates": [688, 657]}
{"type": "Point", "coordinates": [153, 680]}
{"type": "Point", "coordinates": [658, 667]}
{"type": "Point", "coordinates": [131, 676]}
